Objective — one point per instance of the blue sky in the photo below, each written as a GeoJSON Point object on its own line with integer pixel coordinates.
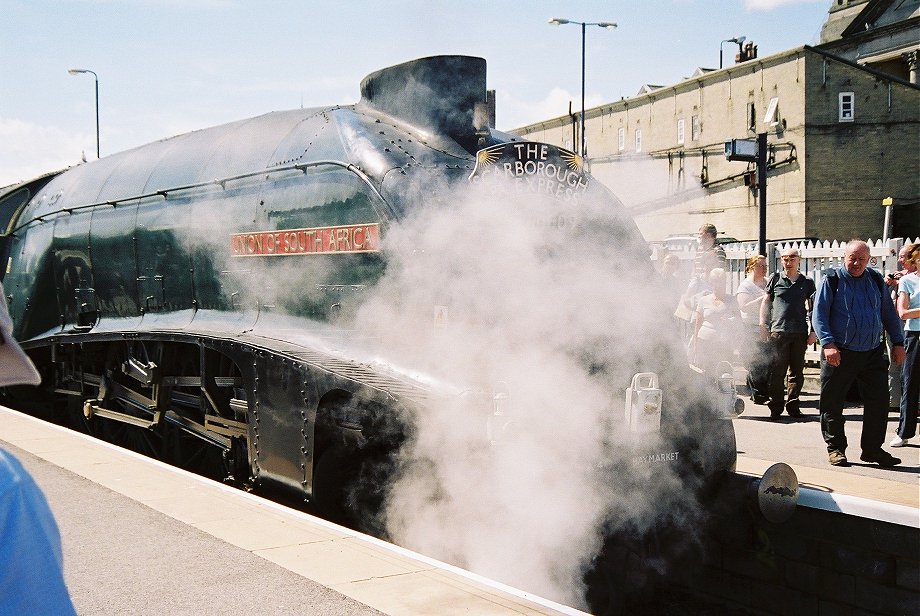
{"type": "Point", "coordinates": [171, 66]}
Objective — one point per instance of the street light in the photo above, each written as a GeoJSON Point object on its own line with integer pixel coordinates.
{"type": "Point", "coordinates": [738, 39]}
{"type": "Point", "coordinates": [77, 71]}
{"type": "Point", "coordinates": [609, 25]}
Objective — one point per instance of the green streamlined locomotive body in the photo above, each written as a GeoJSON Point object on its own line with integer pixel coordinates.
{"type": "Point", "coordinates": [190, 297]}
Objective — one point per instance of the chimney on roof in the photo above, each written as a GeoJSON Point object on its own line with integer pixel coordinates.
{"type": "Point", "coordinates": [748, 52]}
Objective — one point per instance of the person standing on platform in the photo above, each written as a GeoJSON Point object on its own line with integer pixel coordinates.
{"type": "Point", "coordinates": [716, 326]}
{"type": "Point", "coordinates": [672, 281]}
{"type": "Point", "coordinates": [31, 560]}
{"type": "Point", "coordinates": [909, 311]}
{"type": "Point", "coordinates": [673, 284]}
{"type": "Point", "coordinates": [785, 324]}
{"type": "Point", "coordinates": [892, 280]}
{"type": "Point", "coordinates": [709, 256]}
{"type": "Point", "coordinates": [755, 352]}
{"type": "Point", "coordinates": [852, 309]}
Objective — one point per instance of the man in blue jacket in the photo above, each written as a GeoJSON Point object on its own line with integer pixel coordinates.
{"type": "Point", "coordinates": [851, 310]}
{"type": "Point", "coordinates": [31, 560]}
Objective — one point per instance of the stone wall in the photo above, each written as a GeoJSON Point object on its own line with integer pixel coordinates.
{"type": "Point", "coordinates": [819, 562]}
{"type": "Point", "coordinates": [852, 166]}
{"type": "Point", "coordinates": [826, 178]}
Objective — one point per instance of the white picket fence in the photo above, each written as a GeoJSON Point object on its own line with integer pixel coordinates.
{"type": "Point", "coordinates": [817, 257]}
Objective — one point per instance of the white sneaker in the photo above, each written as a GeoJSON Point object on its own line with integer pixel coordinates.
{"type": "Point", "coordinates": [897, 441]}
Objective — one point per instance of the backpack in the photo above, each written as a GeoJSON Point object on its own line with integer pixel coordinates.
{"type": "Point", "coordinates": [770, 287]}
{"type": "Point", "coordinates": [834, 280]}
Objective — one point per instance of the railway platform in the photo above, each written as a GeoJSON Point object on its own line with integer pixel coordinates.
{"type": "Point", "coordinates": [798, 442]}
{"type": "Point", "coordinates": [141, 537]}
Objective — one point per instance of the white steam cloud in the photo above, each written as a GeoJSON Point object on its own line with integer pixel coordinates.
{"type": "Point", "coordinates": [491, 290]}
{"type": "Point", "coordinates": [554, 304]}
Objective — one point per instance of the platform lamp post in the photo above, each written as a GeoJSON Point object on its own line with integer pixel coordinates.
{"type": "Point", "coordinates": [738, 39]}
{"type": "Point", "coordinates": [754, 151]}
{"type": "Point", "coordinates": [608, 25]}
{"type": "Point", "coordinates": [77, 71]}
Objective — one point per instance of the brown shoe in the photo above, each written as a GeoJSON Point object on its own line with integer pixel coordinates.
{"type": "Point", "coordinates": [880, 457]}
{"type": "Point", "coordinates": [836, 458]}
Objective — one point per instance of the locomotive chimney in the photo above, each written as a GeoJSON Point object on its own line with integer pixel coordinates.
{"type": "Point", "coordinates": [438, 93]}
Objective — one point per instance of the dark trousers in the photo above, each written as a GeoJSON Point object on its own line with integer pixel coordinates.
{"type": "Point", "coordinates": [869, 369]}
{"type": "Point", "coordinates": [788, 355]}
{"type": "Point", "coordinates": [910, 386]}
{"type": "Point", "coordinates": [758, 359]}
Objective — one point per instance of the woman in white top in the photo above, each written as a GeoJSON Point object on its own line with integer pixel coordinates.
{"type": "Point", "coordinates": [755, 353]}
{"type": "Point", "coordinates": [716, 325]}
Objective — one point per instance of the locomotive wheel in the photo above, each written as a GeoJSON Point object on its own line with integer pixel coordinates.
{"type": "Point", "coordinates": [135, 438]}
{"type": "Point", "coordinates": [348, 488]}
{"type": "Point", "coordinates": [72, 416]}
{"type": "Point", "coordinates": [181, 449]}
{"type": "Point", "coordinates": [331, 476]}
{"type": "Point", "coordinates": [186, 450]}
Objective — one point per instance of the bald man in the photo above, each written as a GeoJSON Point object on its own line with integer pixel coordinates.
{"type": "Point", "coordinates": [851, 310]}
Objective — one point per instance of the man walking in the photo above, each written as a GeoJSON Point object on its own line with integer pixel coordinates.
{"type": "Point", "coordinates": [709, 255]}
{"type": "Point", "coordinates": [851, 310]}
{"type": "Point", "coordinates": [785, 324]}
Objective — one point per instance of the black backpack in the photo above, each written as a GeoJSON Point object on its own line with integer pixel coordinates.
{"type": "Point", "coordinates": [834, 280]}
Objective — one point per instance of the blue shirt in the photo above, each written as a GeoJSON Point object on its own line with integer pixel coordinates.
{"type": "Point", "coordinates": [853, 318]}
{"type": "Point", "coordinates": [909, 285]}
{"type": "Point", "coordinates": [31, 562]}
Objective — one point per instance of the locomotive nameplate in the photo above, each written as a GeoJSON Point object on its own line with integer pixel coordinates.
{"type": "Point", "coordinates": [311, 241]}
{"type": "Point", "coordinates": [534, 167]}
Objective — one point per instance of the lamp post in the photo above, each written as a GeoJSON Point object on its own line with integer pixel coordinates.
{"type": "Point", "coordinates": [609, 25]}
{"type": "Point", "coordinates": [77, 71]}
{"type": "Point", "coordinates": [738, 39]}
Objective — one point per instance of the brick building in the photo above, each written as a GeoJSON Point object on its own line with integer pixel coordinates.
{"type": "Point", "coordinates": [878, 34]}
{"type": "Point", "coordinates": [841, 136]}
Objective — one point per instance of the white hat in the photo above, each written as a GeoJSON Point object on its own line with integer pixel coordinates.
{"type": "Point", "coordinates": [15, 366]}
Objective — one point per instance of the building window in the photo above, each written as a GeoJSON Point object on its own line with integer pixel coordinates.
{"type": "Point", "coordinates": [638, 140]}
{"type": "Point", "coordinates": [621, 139]}
{"type": "Point", "coordinates": [695, 128]}
{"type": "Point", "coordinates": [752, 118]}
{"type": "Point", "coordinates": [680, 131]}
{"type": "Point", "coordinates": [847, 107]}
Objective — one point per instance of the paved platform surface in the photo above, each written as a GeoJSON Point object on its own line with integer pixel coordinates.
{"type": "Point", "coordinates": [799, 443]}
{"type": "Point", "coordinates": [761, 442]}
{"type": "Point", "coordinates": [140, 537]}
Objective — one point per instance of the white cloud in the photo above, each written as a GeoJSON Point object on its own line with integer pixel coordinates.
{"type": "Point", "coordinates": [769, 5]}
{"type": "Point", "coordinates": [29, 150]}
{"type": "Point", "coordinates": [514, 113]}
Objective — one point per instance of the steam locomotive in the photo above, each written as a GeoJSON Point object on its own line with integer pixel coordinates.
{"type": "Point", "coordinates": [191, 298]}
